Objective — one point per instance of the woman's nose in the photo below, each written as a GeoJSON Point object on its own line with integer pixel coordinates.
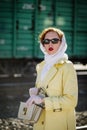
{"type": "Point", "coordinates": [50, 44]}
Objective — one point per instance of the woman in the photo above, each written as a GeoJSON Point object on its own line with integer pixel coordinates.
{"type": "Point", "coordinates": [56, 75]}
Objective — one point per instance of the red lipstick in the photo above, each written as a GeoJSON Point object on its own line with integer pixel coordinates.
{"type": "Point", "coordinates": [50, 49]}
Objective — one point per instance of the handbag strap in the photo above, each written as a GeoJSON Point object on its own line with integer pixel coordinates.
{"type": "Point", "coordinates": [40, 105]}
{"type": "Point", "coordinates": [43, 91]}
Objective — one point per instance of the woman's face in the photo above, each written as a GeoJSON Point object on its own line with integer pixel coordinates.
{"type": "Point", "coordinates": [51, 48]}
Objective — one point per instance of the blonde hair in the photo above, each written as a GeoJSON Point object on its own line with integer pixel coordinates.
{"type": "Point", "coordinates": [45, 31]}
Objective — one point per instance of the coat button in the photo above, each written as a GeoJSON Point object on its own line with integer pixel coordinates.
{"type": "Point", "coordinates": [53, 110]}
{"type": "Point", "coordinates": [46, 86]}
{"type": "Point", "coordinates": [42, 122]}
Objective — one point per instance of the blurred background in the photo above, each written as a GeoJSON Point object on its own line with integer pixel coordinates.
{"type": "Point", "coordinates": [21, 21]}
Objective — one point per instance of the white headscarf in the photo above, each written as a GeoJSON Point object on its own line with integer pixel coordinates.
{"type": "Point", "coordinates": [50, 60]}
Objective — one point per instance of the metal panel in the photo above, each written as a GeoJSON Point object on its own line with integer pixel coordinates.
{"type": "Point", "coordinates": [6, 28]}
{"type": "Point", "coordinates": [24, 29]}
{"type": "Point", "coordinates": [80, 48]}
{"type": "Point", "coordinates": [21, 21]}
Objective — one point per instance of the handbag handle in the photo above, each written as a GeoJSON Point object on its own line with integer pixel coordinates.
{"type": "Point", "coordinates": [40, 105]}
{"type": "Point", "coordinates": [43, 91]}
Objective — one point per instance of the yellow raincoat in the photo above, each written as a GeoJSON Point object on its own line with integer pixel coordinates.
{"type": "Point", "coordinates": [60, 83]}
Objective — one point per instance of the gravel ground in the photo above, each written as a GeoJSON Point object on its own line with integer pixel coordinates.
{"type": "Point", "coordinates": [81, 118]}
{"type": "Point", "coordinates": [16, 124]}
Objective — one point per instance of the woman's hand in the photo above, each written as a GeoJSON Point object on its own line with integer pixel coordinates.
{"type": "Point", "coordinates": [34, 99]}
{"type": "Point", "coordinates": [33, 91]}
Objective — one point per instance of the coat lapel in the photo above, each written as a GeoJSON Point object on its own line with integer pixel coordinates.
{"type": "Point", "coordinates": [51, 73]}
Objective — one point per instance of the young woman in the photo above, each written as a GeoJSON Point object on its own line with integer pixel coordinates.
{"type": "Point", "coordinates": [57, 76]}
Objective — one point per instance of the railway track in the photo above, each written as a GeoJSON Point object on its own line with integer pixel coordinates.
{"type": "Point", "coordinates": [81, 127]}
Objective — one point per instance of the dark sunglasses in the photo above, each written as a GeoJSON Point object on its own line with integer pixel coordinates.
{"type": "Point", "coordinates": [54, 41]}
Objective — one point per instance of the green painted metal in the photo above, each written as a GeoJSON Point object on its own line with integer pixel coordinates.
{"type": "Point", "coordinates": [6, 28]}
{"type": "Point", "coordinates": [74, 28]}
{"type": "Point", "coordinates": [24, 29]}
{"type": "Point", "coordinates": [22, 21]}
{"type": "Point", "coordinates": [14, 31]}
{"type": "Point", "coordinates": [80, 48]}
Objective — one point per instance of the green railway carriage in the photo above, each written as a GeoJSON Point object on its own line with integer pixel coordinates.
{"type": "Point", "coordinates": [21, 21]}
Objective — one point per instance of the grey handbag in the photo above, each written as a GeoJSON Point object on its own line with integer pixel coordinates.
{"type": "Point", "coordinates": [32, 113]}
